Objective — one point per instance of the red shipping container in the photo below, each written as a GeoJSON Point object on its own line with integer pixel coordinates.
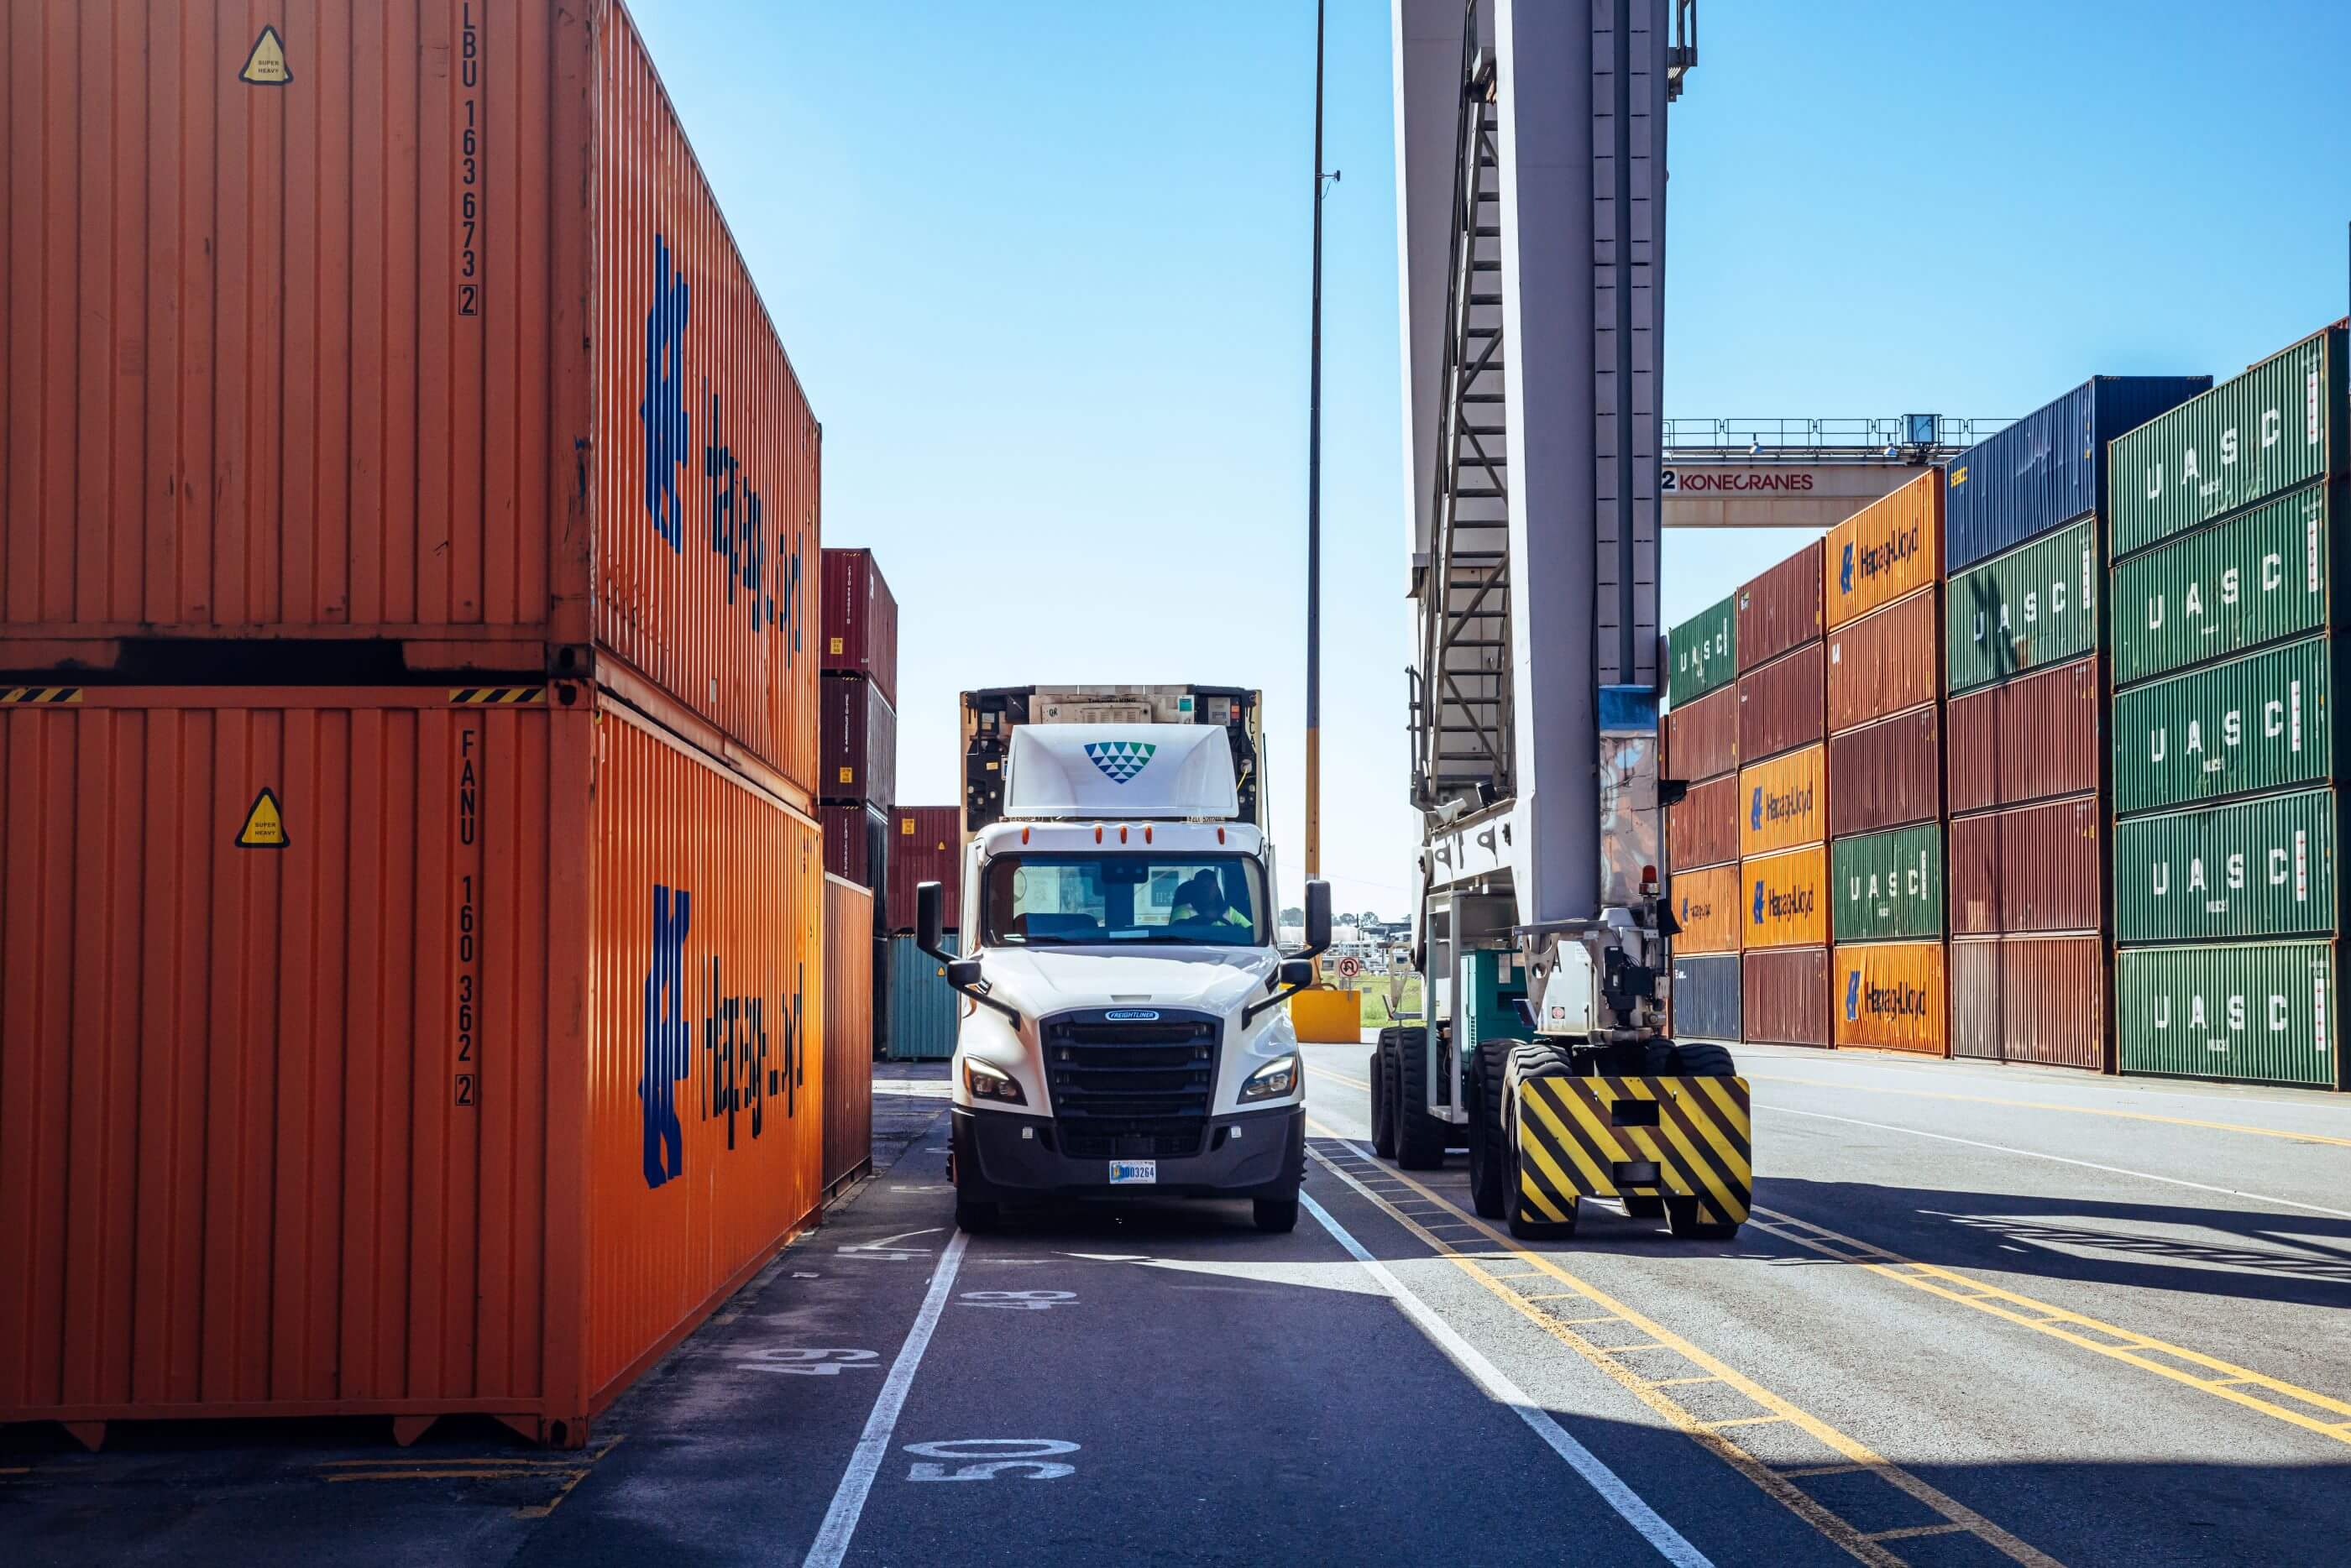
{"type": "Point", "coordinates": [1786, 996]}
{"type": "Point", "coordinates": [373, 1052]}
{"type": "Point", "coordinates": [2030, 868]}
{"type": "Point", "coordinates": [861, 620]}
{"type": "Point", "coordinates": [2034, 739]}
{"type": "Point", "coordinates": [1886, 774]}
{"type": "Point", "coordinates": [1886, 662]}
{"type": "Point", "coordinates": [861, 744]}
{"type": "Point", "coordinates": [441, 346]}
{"type": "Point", "coordinates": [857, 845]}
{"type": "Point", "coordinates": [849, 992]}
{"type": "Point", "coordinates": [926, 846]}
{"type": "Point", "coordinates": [1781, 608]}
{"type": "Point", "coordinates": [1702, 737]}
{"type": "Point", "coordinates": [1782, 705]}
{"type": "Point", "coordinates": [2032, 999]}
{"type": "Point", "coordinates": [1702, 829]}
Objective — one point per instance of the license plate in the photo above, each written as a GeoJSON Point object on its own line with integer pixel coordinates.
{"type": "Point", "coordinates": [1133, 1172]}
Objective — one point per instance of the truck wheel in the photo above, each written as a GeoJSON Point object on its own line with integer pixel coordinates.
{"type": "Point", "coordinates": [1275, 1216]}
{"type": "Point", "coordinates": [976, 1219]}
{"type": "Point", "coordinates": [1383, 1096]}
{"type": "Point", "coordinates": [1681, 1218]}
{"type": "Point", "coordinates": [1420, 1137]}
{"type": "Point", "coordinates": [1489, 1173]}
{"type": "Point", "coordinates": [1703, 1059]}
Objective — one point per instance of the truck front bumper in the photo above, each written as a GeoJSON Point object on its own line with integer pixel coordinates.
{"type": "Point", "coordinates": [999, 1157]}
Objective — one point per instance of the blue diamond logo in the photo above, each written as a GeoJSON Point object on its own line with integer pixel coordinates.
{"type": "Point", "coordinates": [1120, 760]}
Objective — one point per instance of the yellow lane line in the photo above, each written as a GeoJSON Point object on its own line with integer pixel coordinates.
{"type": "Point", "coordinates": [1719, 1442]}
{"type": "Point", "coordinates": [2033, 1106]}
{"type": "Point", "coordinates": [2227, 1381]}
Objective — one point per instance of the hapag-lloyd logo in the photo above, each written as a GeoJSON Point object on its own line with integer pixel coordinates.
{"type": "Point", "coordinates": [1895, 1002]}
{"type": "Point", "coordinates": [1781, 904]}
{"type": "Point", "coordinates": [1871, 560]}
{"type": "Point", "coordinates": [1778, 806]}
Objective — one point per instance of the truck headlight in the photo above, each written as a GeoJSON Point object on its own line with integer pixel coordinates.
{"type": "Point", "coordinates": [987, 1083]}
{"type": "Point", "coordinates": [1275, 1078]}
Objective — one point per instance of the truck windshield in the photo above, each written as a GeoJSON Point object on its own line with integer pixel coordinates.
{"type": "Point", "coordinates": [1043, 900]}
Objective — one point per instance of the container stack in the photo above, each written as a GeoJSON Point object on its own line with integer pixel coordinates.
{"type": "Point", "coordinates": [2228, 764]}
{"type": "Point", "coordinates": [2027, 775]}
{"type": "Point", "coordinates": [1784, 804]}
{"type": "Point", "coordinates": [1701, 749]}
{"type": "Point", "coordinates": [925, 846]}
{"type": "Point", "coordinates": [857, 773]}
{"type": "Point", "coordinates": [1882, 596]}
{"type": "Point", "coordinates": [407, 737]}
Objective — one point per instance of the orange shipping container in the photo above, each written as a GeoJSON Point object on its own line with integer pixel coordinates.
{"type": "Point", "coordinates": [1783, 802]}
{"type": "Point", "coordinates": [849, 949]}
{"type": "Point", "coordinates": [1787, 900]}
{"type": "Point", "coordinates": [374, 1052]}
{"type": "Point", "coordinates": [1890, 548]}
{"type": "Point", "coordinates": [1707, 904]}
{"type": "Point", "coordinates": [440, 348]}
{"type": "Point", "coordinates": [1891, 995]}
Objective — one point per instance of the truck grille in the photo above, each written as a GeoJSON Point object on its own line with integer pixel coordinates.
{"type": "Point", "coordinates": [1130, 1088]}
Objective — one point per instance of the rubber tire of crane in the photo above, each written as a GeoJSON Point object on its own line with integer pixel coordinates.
{"type": "Point", "coordinates": [1275, 1216]}
{"type": "Point", "coordinates": [1420, 1139]}
{"type": "Point", "coordinates": [1703, 1059]}
{"type": "Point", "coordinates": [1383, 1095]}
{"type": "Point", "coordinates": [1681, 1219]}
{"type": "Point", "coordinates": [1530, 1059]}
{"type": "Point", "coordinates": [1490, 1177]}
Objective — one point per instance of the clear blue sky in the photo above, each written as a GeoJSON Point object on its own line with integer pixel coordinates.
{"type": "Point", "coordinates": [1043, 269]}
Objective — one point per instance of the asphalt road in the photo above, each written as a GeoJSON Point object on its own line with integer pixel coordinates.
{"type": "Point", "coordinates": [1982, 1314]}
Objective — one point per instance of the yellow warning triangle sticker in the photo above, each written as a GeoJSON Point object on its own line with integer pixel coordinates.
{"type": "Point", "coordinates": [266, 66]}
{"type": "Point", "coordinates": [264, 826]}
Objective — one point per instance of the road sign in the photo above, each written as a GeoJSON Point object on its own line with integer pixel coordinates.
{"type": "Point", "coordinates": [1350, 967]}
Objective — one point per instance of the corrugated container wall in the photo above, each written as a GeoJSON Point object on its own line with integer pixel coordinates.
{"type": "Point", "coordinates": [2278, 425]}
{"type": "Point", "coordinates": [2262, 721]}
{"type": "Point", "coordinates": [2031, 608]}
{"type": "Point", "coordinates": [1886, 774]}
{"type": "Point", "coordinates": [2266, 1012]}
{"type": "Point", "coordinates": [2255, 579]}
{"type": "Point", "coordinates": [2042, 736]}
{"type": "Point", "coordinates": [859, 616]}
{"type": "Point", "coordinates": [2259, 868]}
{"type": "Point", "coordinates": [1707, 904]}
{"type": "Point", "coordinates": [1781, 608]}
{"type": "Point", "coordinates": [1702, 828]}
{"type": "Point", "coordinates": [848, 1033]}
{"type": "Point", "coordinates": [1887, 660]}
{"type": "Point", "coordinates": [926, 846]}
{"type": "Point", "coordinates": [1704, 650]}
{"type": "Point", "coordinates": [923, 1011]}
{"type": "Point", "coordinates": [857, 846]}
{"type": "Point", "coordinates": [1783, 802]}
{"type": "Point", "coordinates": [1704, 997]}
{"type": "Point", "coordinates": [474, 1093]}
{"type": "Point", "coordinates": [443, 343]}
{"type": "Point", "coordinates": [1890, 996]}
{"type": "Point", "coordinates": [1785, 997]}
{"type": "Point", "coordinates": [1888, 550]}
{"type": "Point", "coordinates": [1783, 705]}
{"type": "Point", "coordinates": [1887, 886]}
{"type": "Point", "coordinates": [861, 744]}
{"type": "Point", "coordinates": [2031, 999]}
{"type": "Point", "coordinates": [2030, 868]}
{"type": "Point", "coordinates": [1787, 900]}
{"type": "Point", "coordinates": [1702, 736]}
{"type": "Point", "coordinates": [2049, 467]}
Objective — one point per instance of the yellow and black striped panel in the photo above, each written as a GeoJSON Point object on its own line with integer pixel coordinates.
{"type": "Point", "coordinates": [496, 696]}
{"type": "Point", "coordinates": [1574, 1132]}
{"type": "Point", "coordinates": [44, 694]}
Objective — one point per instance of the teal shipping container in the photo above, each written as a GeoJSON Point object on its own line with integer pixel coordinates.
{"type": "Point", "coordinates": [2257, 868]}
{"type": "Point", "coordinates": [1704, 652]}
{"type": "Point", "coordinates": [2035, 606]}
{"type": "Point", "coordinates": [2260, 1013]}
{"type": "Point", "coordinates": [2260, 577]}
{"type": "Point", "coordinates": [923, 1011]}
{"type": "Point", "coordinates": [2277, 427]}
{"type": "Point", "coordinates": [2264, 721]}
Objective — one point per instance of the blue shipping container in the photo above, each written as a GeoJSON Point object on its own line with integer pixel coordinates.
{"type": "Point", "coordinates": [2049, 467]}
{"type": "Point", "coordinates": [921, 1009]}
{"type": "Point", "coordinates": [1704, 997]}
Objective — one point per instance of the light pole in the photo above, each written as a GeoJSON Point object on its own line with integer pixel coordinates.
{"type": "Point", "coordinates": [1314, 497]}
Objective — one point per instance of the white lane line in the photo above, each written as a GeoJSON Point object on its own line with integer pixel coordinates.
{"type": "Point", "coordinates": [2062, 1160]}
{"type": "Point", "coordinates": [1610, 1487]}
{"type": "Point", "coordinates": [873, 1444]}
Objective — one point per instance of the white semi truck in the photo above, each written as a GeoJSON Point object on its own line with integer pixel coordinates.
{"type": "Point", "coordinates": [1122, 1032]}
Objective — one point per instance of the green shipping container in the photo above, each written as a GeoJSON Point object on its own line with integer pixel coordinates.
{"type": "Point", "coordinates": [2261, 1012]}
{"type": "Point", "coordinates": [2257, 868]}
{"type": "Point", "coordinates": [923, 1011]}
{"type": "Point", "coordinates": [2028, 609]}
{"type": "Point", "coordinates": [1887, 886]}
{"type": "Point", "coordinates": [2221, 590]}
{"type": "Point", "coordinates": [1704, 652]}
{"type": "Point", "coordinates": [2274, 428]}
{"type": "Point", "coordinates": [2259, 723]}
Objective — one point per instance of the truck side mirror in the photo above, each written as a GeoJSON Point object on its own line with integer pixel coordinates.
{"type": "Point", "coordinates": [1317, 916]}
{"type": "Point", "coordinates": [927, 920]}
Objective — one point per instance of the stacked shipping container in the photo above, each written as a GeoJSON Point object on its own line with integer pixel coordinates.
{"type": "Point", "coordinates": [925, 846]}
{"type": "Point", "coordinates": [857, 770]}
{"type": "Point", "coordinates": [1785, 800]}
{"type": "Point", "coordinates": [1882, 603]}
{"type": "Point", "coordinates": [2026, 777]}
{"type": "Point", "coordinates": [2228, 764]}
{"type": "Point", "coordinates": [462, 1023]}
{"type": "Point", "coordinates": [1701, 748]}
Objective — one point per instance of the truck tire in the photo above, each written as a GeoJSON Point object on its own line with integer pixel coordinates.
{"type": "Point", "coordinates": [1529, 1059]}
{"type": "Point", "coordinates": [1275, 1216]}
{"type": "Point", "coordinates": [1489, 1143]}
{"type": "Point", "coordinates": [1420, 1137]}
{"type": "Point", "coordinates": [1681, 1219]}
{"type": "Point", "coordinates": [1383, 1096]}
{"type": "Point", "coordinates": [1703, 1059]}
